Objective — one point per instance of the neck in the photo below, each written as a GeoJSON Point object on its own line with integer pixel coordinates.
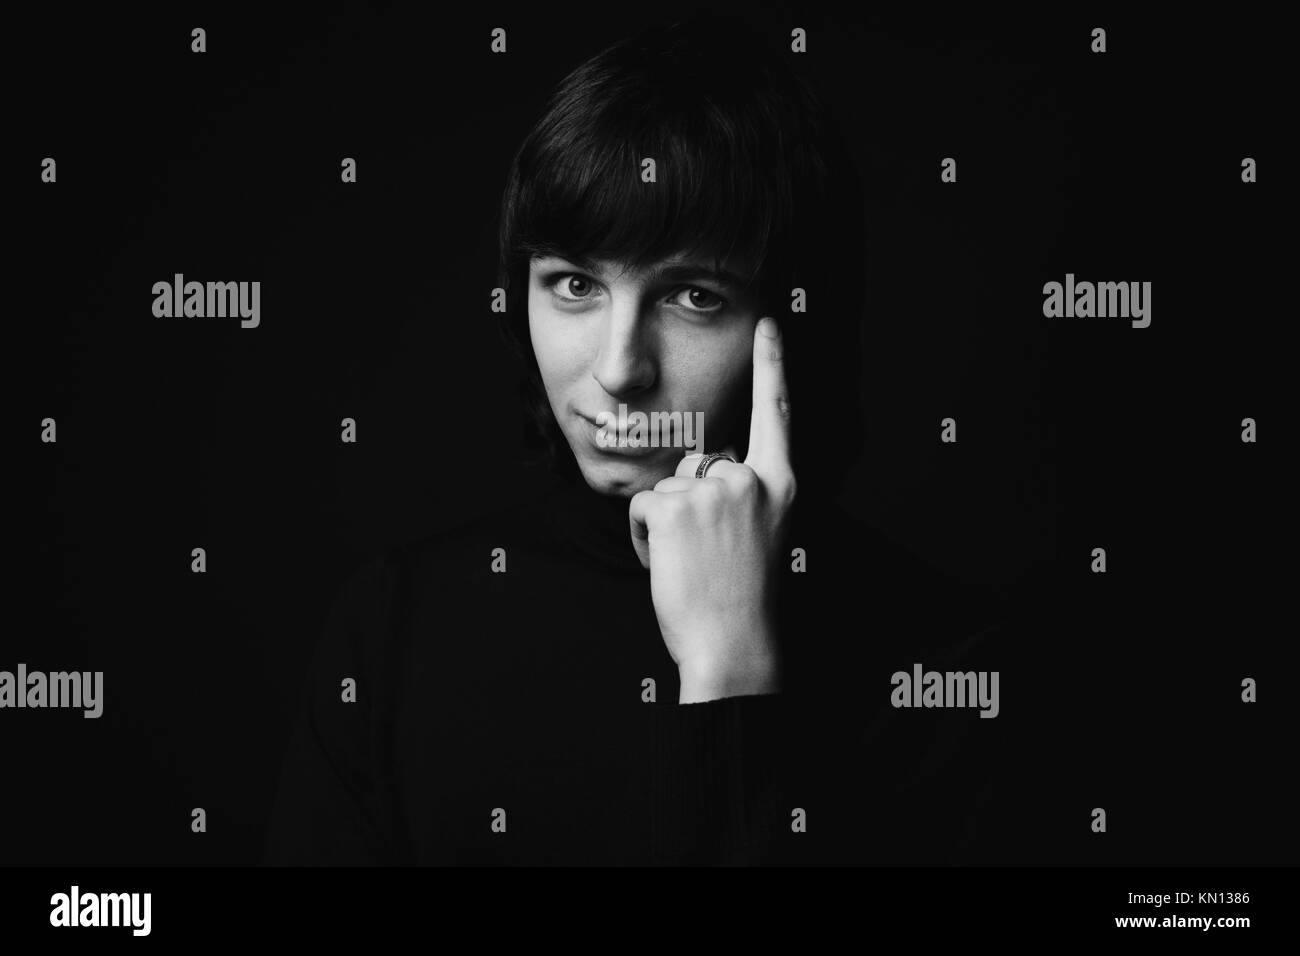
{"type": "Point", "coordinates": [597, 524]}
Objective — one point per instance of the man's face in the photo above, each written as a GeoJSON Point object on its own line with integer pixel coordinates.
{"type": "Point", "coordinates": [673, 337]}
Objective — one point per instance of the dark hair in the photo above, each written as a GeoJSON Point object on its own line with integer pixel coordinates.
{"type": "Point", "coordinates": [747, 163]}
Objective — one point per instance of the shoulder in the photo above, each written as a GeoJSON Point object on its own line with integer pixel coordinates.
{"type": "Point", "coordinates": [379, 585]}
{"type": "Point", "coordinates": [454, 541]}
{"type": "Point", "coordinates": [886, 597]}
{"type": "Point", "coordinates": [846, 550]}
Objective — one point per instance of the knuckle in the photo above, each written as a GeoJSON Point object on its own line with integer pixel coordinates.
{"type": "Point", "coordinates": [710, 490]}
{"type": "Point", "coordinates": [782, 489]}
{"type": "Point", "coordinates": [747, 479]}
{"type": "Point", "coordinates": [783, 407]}
{"type": "Point", "coordinates": [673, 508]}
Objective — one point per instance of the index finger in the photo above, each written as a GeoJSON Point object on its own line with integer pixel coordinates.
{"type": "Point", "coordinates": [769, 424]}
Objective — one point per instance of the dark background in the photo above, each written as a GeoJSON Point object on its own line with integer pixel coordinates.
{"type": "Point", "coordinates": [1073, 433]}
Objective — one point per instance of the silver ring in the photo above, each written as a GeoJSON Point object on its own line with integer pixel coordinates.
{"type": "Point", "coordinates": [707, 460]}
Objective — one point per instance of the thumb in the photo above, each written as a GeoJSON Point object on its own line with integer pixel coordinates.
{"type": "Point", "coordinates": [639, 525]}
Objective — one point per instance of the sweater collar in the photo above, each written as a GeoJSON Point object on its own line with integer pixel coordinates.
{"type": "Point", "coordinates": [594, 523]}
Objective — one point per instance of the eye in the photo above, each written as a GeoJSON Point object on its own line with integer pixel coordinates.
{"type": "Point", "coordinates": [579, 286]}
{"type": "Point", "coordinates": [702, 300]}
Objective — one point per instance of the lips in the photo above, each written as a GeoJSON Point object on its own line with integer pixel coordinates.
{"type": "Point", "coordinates": [611, 433]}
{"type": "Point", "coordinates": [613, 420]}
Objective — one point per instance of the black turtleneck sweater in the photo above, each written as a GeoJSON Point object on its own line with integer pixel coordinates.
{"type": "Point", "coordinates": [502, 717]}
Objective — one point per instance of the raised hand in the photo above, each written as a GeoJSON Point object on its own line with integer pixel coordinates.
{"type": "Point", "coordinates": [711, 545]}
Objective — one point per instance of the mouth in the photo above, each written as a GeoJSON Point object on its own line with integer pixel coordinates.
{"type": "Point", "coordinates": [606, 439]}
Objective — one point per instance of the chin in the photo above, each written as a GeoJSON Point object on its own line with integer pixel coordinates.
{"type": "Point", "coordinates": [624, 478]}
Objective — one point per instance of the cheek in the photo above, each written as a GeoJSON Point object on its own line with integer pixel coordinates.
{"type": "Point", "coordinates": [713, 379]}
{"type": "Point", "coordinates": [557, 348]}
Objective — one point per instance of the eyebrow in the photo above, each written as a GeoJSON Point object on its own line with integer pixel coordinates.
{"type": "Point", "coordinates": [674, 272]}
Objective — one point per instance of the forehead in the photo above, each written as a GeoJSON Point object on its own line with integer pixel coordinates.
{"type": "Point", "coordinates": [733, 268]}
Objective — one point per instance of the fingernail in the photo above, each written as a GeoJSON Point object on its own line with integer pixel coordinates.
{"type": "Point", "coordinates": [767, 327]}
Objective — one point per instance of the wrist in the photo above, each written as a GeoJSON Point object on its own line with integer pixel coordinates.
{"type": "Point", "coordinates": [705, 680]}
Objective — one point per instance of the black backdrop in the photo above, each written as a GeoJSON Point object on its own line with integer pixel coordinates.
{"type": "Point", "coordinates": [1073, 433]}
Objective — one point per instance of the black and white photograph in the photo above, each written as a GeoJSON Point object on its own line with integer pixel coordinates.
{"type": "Point", "coordinates": [606, 437]}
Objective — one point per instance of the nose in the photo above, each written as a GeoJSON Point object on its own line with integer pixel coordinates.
{"type": "Point", "coordinates": [625, 364]}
